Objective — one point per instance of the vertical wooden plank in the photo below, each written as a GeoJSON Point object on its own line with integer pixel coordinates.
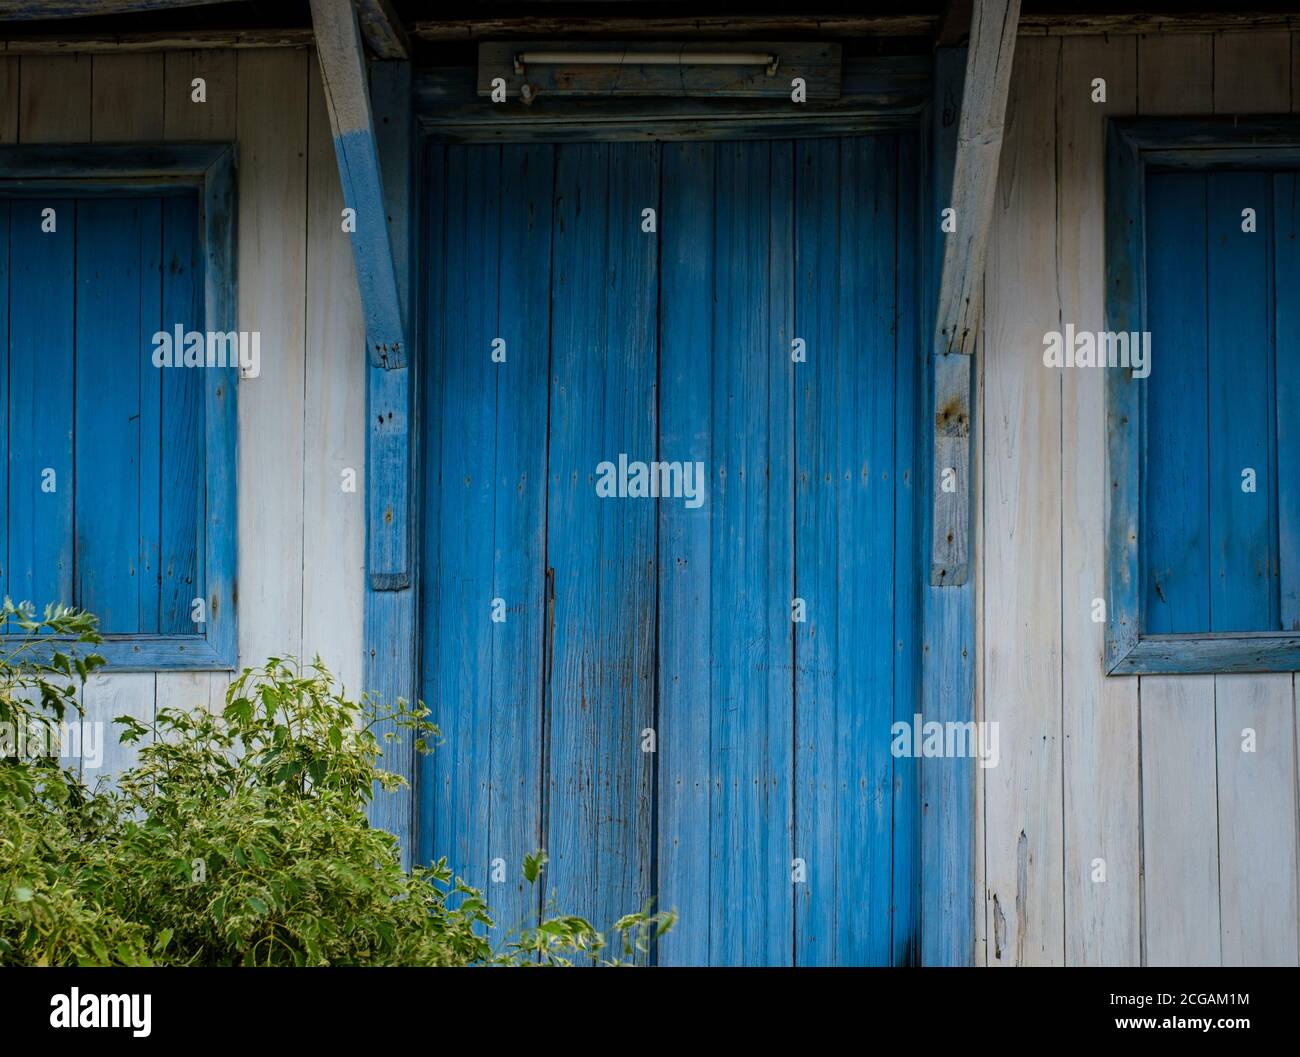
{"type": "Point", "coordinates": [817, 399]}
{"type": "Point", "coordinates": [118, 476]}
{"type": "Point", "coordinates": [435, 349]}
{"type": "Point", "coordinates": [188, 690]}
{"type": "Point", "coordinates": [1176, 523]}
{"type": "Point", "coordinates": [749, 518]}
{"type": "Point", "coordinates": [601, 551]}
{"type": "Point", "coordinates": [272, 270]}
{"type": "Point", "coordinates": [55, 99]}
{"type": "Point", "coordinates": [1243, 581]}
{"type": "Point", "coordinates": [9, 93]}
{"type": "Point", "coordinates": [126, 97]}
{"type": "Point", "coordinates": [151, 383]}
{"type": "Point", "coordinates": [1180, 843]}
{"type": "Point", "coordinates": [974, 635]}
{"type": "Point", "coordinates": [182, 508]}
{"type": "Point", "coordinates": [41, 343]}
{"type": "Point", "coordinates": [1257, 819]}
{"type": "Point", "coordinates": [465, 404]}
{"type": "Point", "coordinates": [1175, 73]}
{"type": "Point", "coordinates": [126, 104]}
{"type": "Point", "coordinates": [185, 118]}
{"type": "Point", "coordinates": [105, 697]}
{"type": "Point", "coordinates": [686, 339]}
{"type": "Point", "coordinates": [625, 702]}
{"type": "Point", "coordinates": [514, 705]}
{"type": "Point", "coordinates": [777, 902]}
{"type": "Point", "coordinates": [1124, 392]}
{"type": "Point", "coordinates": [908, 358]}
{"type": "Point", "coordinates": [218, 684]}
{"type": "Point", "coordinates": [847, 502]}
{"type": "Point", "coordinates": [1286, 327]}
{"type": "Point", "coordinates": [109, 334]}
{"type": "Point", "coordinates": [1252, 72]}
{"type": "Point", "coordinates": [1022, 598]}
{"type": "Point", "coordinates": [1099, 714]}
{"type": "Point", "coordinates": [1180, 886]}
{"type": "Point", "coordinates": [863, 496]}
{"type": "Point", "coordinates": [577, 671]}
{"type": "Point", "coordinates": [334, 483]}
{"type": "Point", "coordinates": [107, 412]}
{"type": "Point", "coordinates": [948, 660]}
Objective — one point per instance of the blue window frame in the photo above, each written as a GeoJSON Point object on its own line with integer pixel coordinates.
{"type": "Point", "coordinates": [1203, 536]}
{"type": "Point", "coordinates": [119, 475]}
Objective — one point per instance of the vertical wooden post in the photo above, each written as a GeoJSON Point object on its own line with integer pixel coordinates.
{"type": "Point", "coordinates": [392, 598]}
{"type": "Point", "coordinates": [948, 611]}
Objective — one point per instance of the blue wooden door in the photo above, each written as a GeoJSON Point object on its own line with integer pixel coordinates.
{"type": "Point", "coordinates": [685, 695]}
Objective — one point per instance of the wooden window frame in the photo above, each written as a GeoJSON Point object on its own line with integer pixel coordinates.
{"type": "Point", "coordinates": [149, 169]}
{"type": "Point", "coordinates": [1132, 146]}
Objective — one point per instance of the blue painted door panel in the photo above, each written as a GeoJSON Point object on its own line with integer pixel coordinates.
{"type": "Point", "coordinates": [102, 504]}
{"type": "Point", "coordinates": [1221, 495]}
{"type": "Point", "coordinates": [643, 706]}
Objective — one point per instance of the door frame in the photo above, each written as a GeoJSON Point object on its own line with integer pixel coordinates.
{"type": "Point", "coordinates": [895, 94]}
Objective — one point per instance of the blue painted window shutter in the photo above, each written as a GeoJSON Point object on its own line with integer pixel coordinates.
{"type": "Point", "coordinates": [104, 496]}
{"type": "Point", "coordinates": [1221, 487]}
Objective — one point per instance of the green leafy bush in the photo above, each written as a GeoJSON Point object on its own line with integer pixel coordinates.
{"type": "Point", "coordinates": [238, 839]}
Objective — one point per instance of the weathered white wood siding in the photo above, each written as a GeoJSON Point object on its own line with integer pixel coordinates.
{"type": "Point", "coordinates": [301, 423]}
{"type": "Point", "coordinates": [1198, 838]}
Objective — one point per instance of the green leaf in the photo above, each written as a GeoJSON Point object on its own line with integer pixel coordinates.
{"type": "Point", "coordinates": [257, 906]}
{"type": "Point", "coordinates": [533, 866]}
{"type": "Point", "coordinates": [23, 895]}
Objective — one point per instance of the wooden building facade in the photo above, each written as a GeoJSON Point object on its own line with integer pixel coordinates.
{"type": "Point", "coordinates": [682, 452]}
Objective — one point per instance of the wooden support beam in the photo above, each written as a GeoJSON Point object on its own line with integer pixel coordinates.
{"type": "Point", "coordinates": [383, 29]}
{"type": "Point", "coordinates": [961, 280]}
{"type": "Point", "coordinates": [343, 71]}
{"type": "Point", "coordinates": [391, 660]}
{"type": "Point", "coordinates": [174, 40]}
{"type": "Point", "coordinates": [391, 413]}
{"type": "Point", "coordinates": [975, 171]}
{"type": "Point", "coordinates": [529, 27]}
{"type": "Point", "coordinates": [1115, 22]}
{"type": "Point", "coordinates": [943, 30]}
